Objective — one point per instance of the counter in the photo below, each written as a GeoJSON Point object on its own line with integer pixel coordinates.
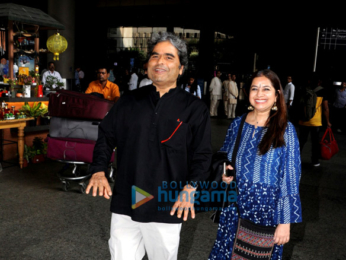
{"type": "Point", "coordinates": [10, 151]}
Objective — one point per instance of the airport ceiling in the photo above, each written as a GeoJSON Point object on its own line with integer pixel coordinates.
{"type": "Point", "coordinates": [228, 17]}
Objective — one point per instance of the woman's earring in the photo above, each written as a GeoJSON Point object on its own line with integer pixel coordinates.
{"type": "Point", "coordinates": [275, 108]}
{"type": "Point", "coordinates": [250, 107]}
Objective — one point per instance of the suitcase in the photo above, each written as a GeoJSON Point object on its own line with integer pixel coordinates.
{"type": "Point", "coordinates": [73, 128]}
{"type": "Point", "coordinates": [70, 104]}
{"type": "Point", "coordinates": [71, 149]}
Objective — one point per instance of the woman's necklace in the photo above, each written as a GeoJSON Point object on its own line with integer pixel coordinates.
{"type": "Point", "coordinates": [257, 123]}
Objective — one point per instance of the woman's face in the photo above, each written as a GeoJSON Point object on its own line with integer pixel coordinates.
{"type": "Point", "coordinates": [191, 80]}
{"type": "Point", "coordinates": [262, 94]}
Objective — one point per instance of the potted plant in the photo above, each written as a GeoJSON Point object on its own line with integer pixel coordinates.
{"type": "Point", "coordinates": [28, 155]}
{"type": "Point", "coordinates": [39, 149]}
{"type": "Point", "coordinates": [12, 83]}
{"type": "Point", "coordinates": [37, 109]}
{"type": "Point", "coordinates": [52, 81]}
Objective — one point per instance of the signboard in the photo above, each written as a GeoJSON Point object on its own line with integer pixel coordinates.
{"type": "Point", "coordinates": [332, 38]}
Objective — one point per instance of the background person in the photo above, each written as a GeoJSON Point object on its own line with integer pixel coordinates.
{"type": "Point", "coordinates": [215, 89]}
{"type": "Point", "coordinates": [289, 92]}
{"type": "Point", "coordinates": [108, 89]}
{"type": "Point", "coordinates": [225, 94]}
{"type": "Point", "coordinates": [192, 87]}
{"type": "Point", "coordinates": [268, 168]}
{"type": "Point", "coordinates": [145, 81]}
{"type": "Point", "coordinates": [51, 72]}
{"type": "Point", "coordinates": [339, 108]}
{"type": "Point", "coordinates": [79, 78]}
{"type": "Point", "coordinates": [133, 80]}
{"type": "Point", "coordinates": [313, 125]}
{"type": "Point", "coordinates": [232, 97]}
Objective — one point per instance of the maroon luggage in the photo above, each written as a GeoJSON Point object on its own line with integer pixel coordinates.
{"type": "Point", "coordinates": [71, 104]}
{"type": "Point", "coordinates": [71, 149]}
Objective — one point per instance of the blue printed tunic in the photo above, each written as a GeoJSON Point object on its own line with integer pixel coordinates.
{"type": "Point", "coordinates": [268, 185]}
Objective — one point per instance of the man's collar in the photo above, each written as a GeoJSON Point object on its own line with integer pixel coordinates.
{"type": "Point", "coordinates": [170, 91]}
{"type": "Point", "coordinates": [106, 86]}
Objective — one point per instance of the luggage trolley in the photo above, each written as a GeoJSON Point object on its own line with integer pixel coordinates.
{"type": "Point", "coordinates": [73, 133]}
{"type": "Point", "coordinates": [76, 175]}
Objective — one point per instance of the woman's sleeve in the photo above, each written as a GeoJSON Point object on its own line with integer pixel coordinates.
{"type": "Point", "coordinates": [289, 206]}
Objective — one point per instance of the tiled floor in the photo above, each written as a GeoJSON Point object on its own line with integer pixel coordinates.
{"type": "Point", "coordinates": [38, 220]}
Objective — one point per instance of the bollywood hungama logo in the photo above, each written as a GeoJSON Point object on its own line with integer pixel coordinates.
{"type": "Point", "coordinates": [139, 197]}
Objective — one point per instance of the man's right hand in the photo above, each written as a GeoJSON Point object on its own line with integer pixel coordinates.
{"type": "Point", "coordinates": [100, 182]}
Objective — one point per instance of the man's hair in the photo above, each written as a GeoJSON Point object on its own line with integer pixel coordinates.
{"type": "Point", "coordinates": [174, 40]}
{"type": "Point", "coordinates": [51, 63]}
{"type": "Point", "coordinates": [101, 67]}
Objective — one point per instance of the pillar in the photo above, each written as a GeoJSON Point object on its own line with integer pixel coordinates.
{"type": "Point", "coordinates": [206, 51]}
{"type": "Point", "coordinates": [64, 12]}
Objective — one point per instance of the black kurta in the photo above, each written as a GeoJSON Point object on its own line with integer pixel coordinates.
{"type": "Point", "coordinates": [158, 140]}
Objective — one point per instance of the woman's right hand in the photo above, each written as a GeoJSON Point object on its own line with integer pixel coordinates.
{"type": "Point", "coordinates": [225, 178]}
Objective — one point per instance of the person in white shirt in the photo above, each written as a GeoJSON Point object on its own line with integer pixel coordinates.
{"type": "Point", "coordinates": [215, 90]}
{"type": "Point", "coordinates": [145, 81]}
{"type": "Point", "coordinates": [133, 80]}
{"type": "Point", "coordinates": [51, 72]}
{"type": "Point", "coordinates": [232, 97]}
{"type": "Point", "coordinates": [225, 93]}
{"type": "Point", "coordinates": [192, 87]}
{"type": "Point", "coordinates": [289, 92]}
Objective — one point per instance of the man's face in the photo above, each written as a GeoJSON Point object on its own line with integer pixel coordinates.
{"type": "Point", "coordinates": [164, 64]}
{"type": "Point", "coordinates": [234, 77]}
{"type": "Point", "coordinates": [289, 79]}
{"type": "Point", "coordinates": [102, 75]}
{"type": "Point", "coordinates": [218, 74]}
{"type": "Point", "coordinates": [51, 67]}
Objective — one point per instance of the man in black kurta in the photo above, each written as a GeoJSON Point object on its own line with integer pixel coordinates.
{"type": "Point", "coordinates": [163, 139]}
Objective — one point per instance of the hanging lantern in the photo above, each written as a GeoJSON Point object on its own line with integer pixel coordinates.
{"type": "Point", "coordinates": [56, 44]}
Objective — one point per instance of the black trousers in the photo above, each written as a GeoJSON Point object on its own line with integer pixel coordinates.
{"type": "Point", "coordinates": [338, 117]}
{"type": "Point", "coordinates": [315, 140]}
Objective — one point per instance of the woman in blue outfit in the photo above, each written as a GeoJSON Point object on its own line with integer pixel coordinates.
{"type": "Point", "coordinates": [268, 168]}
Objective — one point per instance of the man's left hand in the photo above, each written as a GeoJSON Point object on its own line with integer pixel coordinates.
{"type": "Point", "coordinates": [183, 203]}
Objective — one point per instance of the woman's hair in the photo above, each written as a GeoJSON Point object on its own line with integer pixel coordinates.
{"type": "Point", "coordinates": [277, 120]}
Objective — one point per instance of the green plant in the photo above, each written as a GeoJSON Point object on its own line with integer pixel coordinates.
{"type": "Point", "coordinates": [51, 81]}
{"type": "Point", "coordinates": [29, 153]}
{"type": "Point", "coordinates": [38, 144]}
{"type": "Point", "coordinates": [11, 82]}
{"type": "Point", "coordinates": [37, 109]}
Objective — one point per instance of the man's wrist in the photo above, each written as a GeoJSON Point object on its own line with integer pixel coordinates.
{"type": "Point", "coordinates": [193, 185]}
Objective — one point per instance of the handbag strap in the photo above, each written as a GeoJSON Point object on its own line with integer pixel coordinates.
{"type": "Point", "coordinates": [237, 142]}
{"type": "Point", "coordinates": [234, 155]}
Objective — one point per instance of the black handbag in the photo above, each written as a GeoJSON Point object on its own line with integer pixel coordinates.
{"type": "Point", "coordinates": [215, 217]}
